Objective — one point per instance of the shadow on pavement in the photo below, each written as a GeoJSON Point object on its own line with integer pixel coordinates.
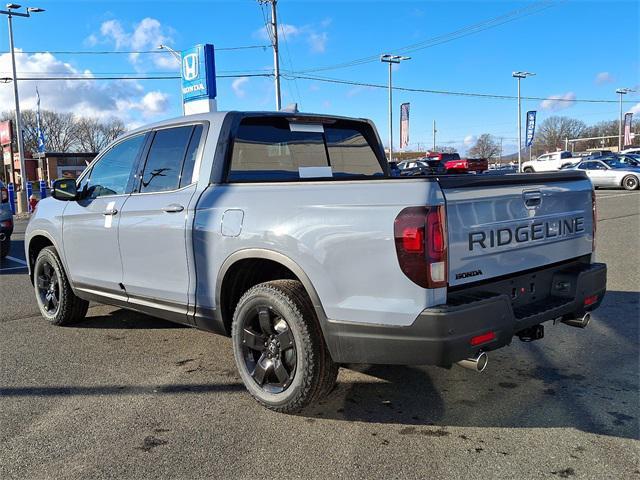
{"type": "Point", "coordinates": [126, 319]}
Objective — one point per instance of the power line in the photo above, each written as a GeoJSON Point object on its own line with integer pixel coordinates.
{"type": "Point", "coordinates": [323, 79]}
{"type": "Point", "coordinates": [122, 77]}
{"type": "Point", "coordinates": [123, 52]}
{"type": "Point", "coordinates": [446, 37]}
{"type": "Point", "coordinates": [448, 92]}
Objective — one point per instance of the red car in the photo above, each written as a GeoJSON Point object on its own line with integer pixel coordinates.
{"type": "Point", "coordinates": [452, 163]}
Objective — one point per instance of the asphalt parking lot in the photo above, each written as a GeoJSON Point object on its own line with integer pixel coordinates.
{"type": "Point", "coordinates": [123, 395]}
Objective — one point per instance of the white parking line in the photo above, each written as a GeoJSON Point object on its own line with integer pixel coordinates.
{"type": "Point", "coordinates": [615, 195]}
{"type": "Point", "coordinates": [12, 268]}
{"type": "Point", "coordinates": [17, 260]}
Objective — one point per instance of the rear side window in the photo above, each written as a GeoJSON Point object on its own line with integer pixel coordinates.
{"type": "Point", "coordinates": [190, 159]}
{"type": "Point", "coordinates": [165, 159]}
{"type": "Point", "coordinates": [350, 153]}
{"type": "Point", "coordinates": [270, 149]}
{"type": "Point", "coordinates": [110, 175]}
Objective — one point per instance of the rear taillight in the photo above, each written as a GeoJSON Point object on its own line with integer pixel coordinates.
{"type": "Point", "coordinates": [594, 211]}
{"type": "Point", "coordinates": [421, 245]}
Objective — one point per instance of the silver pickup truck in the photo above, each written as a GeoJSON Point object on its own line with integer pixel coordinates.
{"type": "Point", "coordinates": [286, 232]}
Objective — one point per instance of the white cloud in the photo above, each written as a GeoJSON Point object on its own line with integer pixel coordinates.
{"type": "Point", "coordinates": [352, 92]}
{"type": "Point", "coordinates": [238, 86]}
{"type": "Point", "coordinates": [603, 78]}
{"type": "Point", "coordinates": [316, 37]}
{"type": "Point", "coordinates": [123, 99]}
{"type": "Point", "coordinates": [470, 140]}
{"type": "Point", "coordinates": [635, 109]}
{"type": "Point", "coordinates": [147, 34]}
{"type": "Point", "coordinates": [558, 102]}
{"type": "Point", "coordinates": [318, 41]}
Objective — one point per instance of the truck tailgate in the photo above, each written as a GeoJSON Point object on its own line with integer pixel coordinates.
{"type": "Point", "coordinates": [498, 225]}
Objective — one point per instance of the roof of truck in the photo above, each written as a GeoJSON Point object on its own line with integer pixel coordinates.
{"type": "Point", "coordinates": [219, 117]}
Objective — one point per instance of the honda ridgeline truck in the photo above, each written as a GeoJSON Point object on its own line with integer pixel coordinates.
{"type": "Point", "coordinates": [286, 232]}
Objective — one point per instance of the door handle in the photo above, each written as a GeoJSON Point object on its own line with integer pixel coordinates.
{"type": "Point", "coordinates": [532, 199]}
{"type": "Point", "coordinates": [111, 211]}
{"type": "Point", "coordinates": [173, 208]}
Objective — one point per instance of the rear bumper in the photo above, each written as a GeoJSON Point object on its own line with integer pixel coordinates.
{"type": "Point", "coordinates": [441, 335]}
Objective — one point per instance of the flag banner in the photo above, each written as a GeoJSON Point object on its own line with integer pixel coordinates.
{"type": "Point", "coordinates": [40, 133]}
{"type": "Point", "coordinates": [628, 117]}
{"type": "Point", "coordinates": [531, 127]}
{"type": "Point", "coordinates": [404, 125]}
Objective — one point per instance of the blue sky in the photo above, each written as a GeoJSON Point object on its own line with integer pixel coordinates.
{"type": "Point", "coordinates": [578, 49]}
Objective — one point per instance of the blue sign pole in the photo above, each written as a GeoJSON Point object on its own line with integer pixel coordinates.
{"type": "Point", "coordinates": [29, 192]}
{"type": "Point", "coordinates": [11, 191]}
{"type": "Point", "coordinates": [43, 189]}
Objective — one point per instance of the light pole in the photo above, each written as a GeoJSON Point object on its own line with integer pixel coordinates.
{"type": "Point", "coordinates": [10, 13]}
{"type": "Point", "coordinates": [621, 92]}
{"type": "Point", "coordinates": [520, 76]}
{"type": "Point", "coordinates": [178, 57]}
{"type": "Point", "coordinates": [391, 59]}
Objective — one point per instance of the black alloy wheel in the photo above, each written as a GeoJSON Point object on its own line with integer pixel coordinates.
{"type": "Point", "coordinates": [269, 350]}
{"type": "Point", "coordinates": [48, 286]}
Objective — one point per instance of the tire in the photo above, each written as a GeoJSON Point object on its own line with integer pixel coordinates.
{"type": "Point", "coordinates": [630, 182]}
{"type": "Point", "coordinates": [56, 300]}
{"type": "Point", "coordinates": [281, 311]}
{"type": "Point", "coordinates": [528, 170]}
{"type": "Point", "coordinates": [5, 246]}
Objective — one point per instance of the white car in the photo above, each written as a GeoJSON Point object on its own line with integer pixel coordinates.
{"type": "Point", "coordinates": [631, 150]}
{"type": "Point", "coordinates": [549, 162]}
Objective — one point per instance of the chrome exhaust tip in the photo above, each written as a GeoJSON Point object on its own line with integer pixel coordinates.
{"type": "Point", "coordinates": [581, 322]}
{"type": "Point", "coordinates": [477, 363]}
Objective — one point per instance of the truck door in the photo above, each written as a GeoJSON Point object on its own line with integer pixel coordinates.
{"type": "Point", "coordinates": [153, 236]}
{"type": "Point", "coordinates": [90, 225]}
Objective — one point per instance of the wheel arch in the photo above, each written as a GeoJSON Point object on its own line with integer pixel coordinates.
{"type": "Point", "coordinates": [231, 282]}
{"type": "Point", "coordinates": [39, 239]}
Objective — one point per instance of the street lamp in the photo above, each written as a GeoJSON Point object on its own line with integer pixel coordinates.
{"type": "Point", "coordinates": [10, 13]}
{"type": "Point", "coordinates": [178, 57]}
{"type": "Point", "coordinates": [621, 92]}
{"type": "Point", "coordinates": [391, 59]}
{"type": "Point", "coordinates": [520, 76]}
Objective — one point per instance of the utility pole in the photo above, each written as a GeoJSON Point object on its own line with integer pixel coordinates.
{"type": "Point", "coordinates": [10, 13]}
{"type": "Point", "coordinates": [621, 92]}
{"type": "Point", "coordinates": [391, 59]}
{"type": "Point", "coordinates": [276, 57]}
{"type": "Point", "coordinates": [519, 76]}
{"type": "Point", "coordinates": [434, 135]}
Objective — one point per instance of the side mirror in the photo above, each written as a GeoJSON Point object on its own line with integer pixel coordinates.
{"type": "Point", "coordinates": [64, 190]}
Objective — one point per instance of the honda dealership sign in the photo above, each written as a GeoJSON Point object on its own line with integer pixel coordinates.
{"type": "Point", "coordinates": [199, 79]}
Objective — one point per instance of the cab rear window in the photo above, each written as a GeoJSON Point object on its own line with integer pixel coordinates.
{"type": "Point", "coordinates": [275, 149]}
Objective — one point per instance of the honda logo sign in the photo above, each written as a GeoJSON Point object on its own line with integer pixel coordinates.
{"type": "Point", "coordinates": [198, 73]}
{"type": "Point", "coordinates": [190, 66]}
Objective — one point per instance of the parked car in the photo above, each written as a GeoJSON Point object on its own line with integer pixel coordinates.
{"type": "Point", "coordinates": [610, 173]}
{"type": "Point", "coordinates": [549, 162]}
{"type": "Point", "coordinates": [452, 163]}
{"type": "Point", "coordinates": [6, 222]}
{"type": "Point", "coordinates": [287, 233]}
{"type": "Point", "coordinates": [629, 159]}
{"type": "Point", "coordinates": [631, 150]}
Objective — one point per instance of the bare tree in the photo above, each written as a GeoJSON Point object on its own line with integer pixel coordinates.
{"type": "Point", "coordinates": [551, 133]}
{"type": "Point", "coordinates": [93, 136]}
{"type": "Point", "coordinates": [485, 147]}
{"type": "Point", "coordinates": [442, 149]}
{"type": "Point", "coordinates": [65, 132]}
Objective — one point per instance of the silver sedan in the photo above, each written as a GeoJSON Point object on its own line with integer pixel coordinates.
{"type": "Point", "coordinates": [610, 173]}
